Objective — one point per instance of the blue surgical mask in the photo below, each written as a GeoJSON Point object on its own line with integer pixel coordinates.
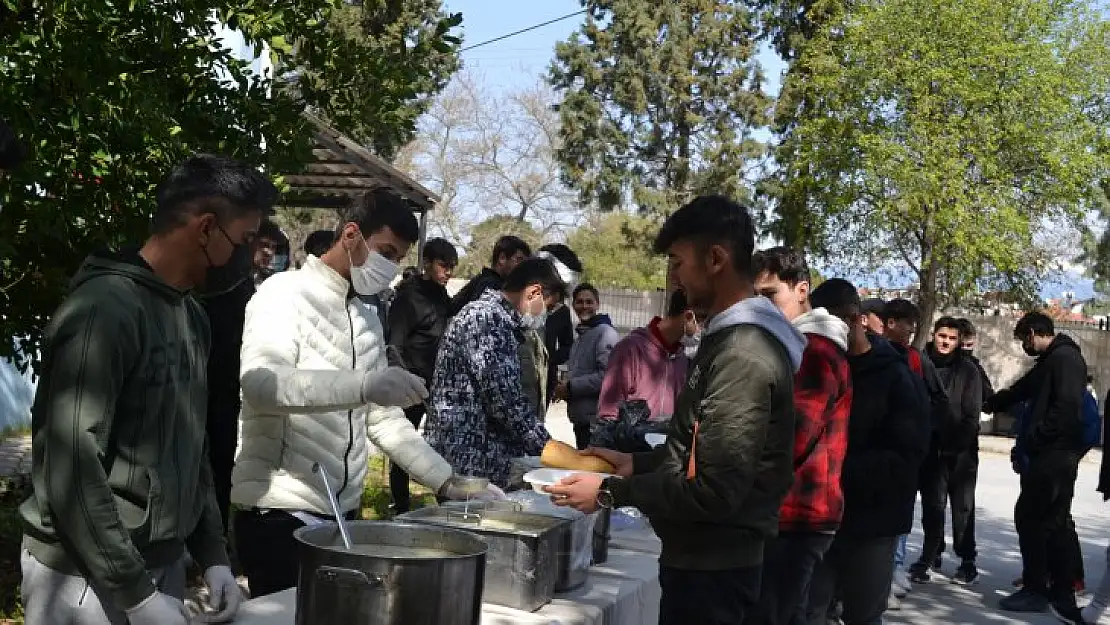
{"type": "Point", "coordinates": [535, 320]}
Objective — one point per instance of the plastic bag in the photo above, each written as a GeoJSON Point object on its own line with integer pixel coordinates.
{"type": "Point", "coordinates": [626, 434]}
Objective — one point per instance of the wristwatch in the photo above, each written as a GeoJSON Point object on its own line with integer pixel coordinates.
{"type": "Point", "coordinates": [605, 498]}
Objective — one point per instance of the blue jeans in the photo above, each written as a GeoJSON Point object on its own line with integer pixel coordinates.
{"type": "Point", "coordinates": [900, 551]}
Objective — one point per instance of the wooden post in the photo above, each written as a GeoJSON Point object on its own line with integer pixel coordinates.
{"type": "Point", "coordinates": [423, 239]}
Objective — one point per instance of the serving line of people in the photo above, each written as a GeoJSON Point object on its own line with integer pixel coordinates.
{"type": "Point", "coordinates": [789, 472]}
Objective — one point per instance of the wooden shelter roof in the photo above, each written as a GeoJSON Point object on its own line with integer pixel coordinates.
{"type": "Point", "coordinates": [343, 169]}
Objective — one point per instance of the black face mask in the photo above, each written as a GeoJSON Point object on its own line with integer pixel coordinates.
{"type": "Point", "coordinates": [1029, 349]}
{"type": "Point", "coordinates": [222, 279]}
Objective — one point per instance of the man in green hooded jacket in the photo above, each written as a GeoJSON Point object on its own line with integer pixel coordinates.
{"type": "Point", "coordinates": [122, 482]}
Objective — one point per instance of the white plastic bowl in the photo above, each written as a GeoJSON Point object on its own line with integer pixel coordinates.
{"type": "Point", "coordinates": [655, 439]}
{"type": "Point", "coordinates": [539, 478]}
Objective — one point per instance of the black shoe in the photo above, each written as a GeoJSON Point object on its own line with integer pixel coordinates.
{"type": "Point", "coordinates": [1069, 614]}
{"type": "Point", "coordinates": [919, 572]}
{"type": "Point", "coordinates": [937, 562]}
{"type": "Point", "coordinates": [967, 574]}
{"type": "Point", "coordinates": [1024, 600]}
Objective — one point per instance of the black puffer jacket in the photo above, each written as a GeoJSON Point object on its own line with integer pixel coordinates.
{"type": "Point", "coordinates": [888, 436]}
{"type": "Point", "coordinates": [1055, 386]}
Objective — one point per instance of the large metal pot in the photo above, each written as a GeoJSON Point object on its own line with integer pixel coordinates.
{"type": "Point", "coordinates": [397, 574]}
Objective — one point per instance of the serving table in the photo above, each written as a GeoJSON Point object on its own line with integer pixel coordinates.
{"type": "Point", "coordinates": [622, 591]}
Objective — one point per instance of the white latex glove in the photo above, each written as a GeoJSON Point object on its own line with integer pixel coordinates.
{"type": "Point", "coordinates": [224, 596]}
{"type": "Point", "coordinates": [456, 490]}
{"type": "Point", "coordinates": [491, 493]}
{"type": "Point", "coordinates": [393, 387]}
{"type": "Point", "coordinates": [158, 609]}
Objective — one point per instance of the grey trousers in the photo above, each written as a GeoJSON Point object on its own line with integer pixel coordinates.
{"type": "Point", "coordinates": [53, 598]}
{"type": "Point", "coordinates": [858, 572]}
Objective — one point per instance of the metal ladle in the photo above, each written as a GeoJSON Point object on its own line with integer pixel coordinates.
{"type": "Point", "coordinates": [339, 520]}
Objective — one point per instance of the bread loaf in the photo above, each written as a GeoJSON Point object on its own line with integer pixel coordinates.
{"type": "Point", "coordinates": [559, 455]}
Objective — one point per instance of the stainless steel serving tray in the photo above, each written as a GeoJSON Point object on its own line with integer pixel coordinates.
{"type": "Point", "coordinates": [523, 561]}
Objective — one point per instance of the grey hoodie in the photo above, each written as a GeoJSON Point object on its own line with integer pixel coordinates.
{"type": "Point", "coordinates": [759, 311]}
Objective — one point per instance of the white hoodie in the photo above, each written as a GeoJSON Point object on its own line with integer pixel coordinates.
{"type": "Point", "coordinates": [819, 321]}
{"type": "Point", "coordinates": [306, 348]}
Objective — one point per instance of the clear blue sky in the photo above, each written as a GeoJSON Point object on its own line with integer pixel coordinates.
{"type": "Point", "coordinates": [521, 60]}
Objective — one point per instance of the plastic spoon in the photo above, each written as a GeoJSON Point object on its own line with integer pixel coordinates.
{"type": "Point", "coordinates": [339, 520]}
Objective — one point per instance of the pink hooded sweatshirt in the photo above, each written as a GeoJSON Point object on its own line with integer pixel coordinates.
{"type": "Point", "coordinates": [641, 366]}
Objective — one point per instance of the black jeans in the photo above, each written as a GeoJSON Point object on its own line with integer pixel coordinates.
{"type": "Point", "coordinates": [582, 433]}
{"type": "Point", "coordinates": [398, 479]}
{"type": "Point", "coordinates": [949, 479]}
{"type": "Point", "coordinates": [223, 436]}
{"type": "Point", "coordinates": [1042, 518]}
{"type": "Point", "coordinates": [267, 550]}
{"type": "Point", "coordinates": [788, 564]}
{"type": "Point", "coordinates": [858, 572]}
{"type": "Point", "coordinates": [707, 597]}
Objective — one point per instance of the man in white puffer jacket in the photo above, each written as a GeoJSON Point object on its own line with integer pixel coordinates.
{"type": "Point", "coordinates": [316, 386]}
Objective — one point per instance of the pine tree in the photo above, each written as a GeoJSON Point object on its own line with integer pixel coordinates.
{"type": "Point", "coordinates": [660, 102]}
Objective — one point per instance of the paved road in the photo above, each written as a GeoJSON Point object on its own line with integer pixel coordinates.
{"type": "Point", "coordinates": [942, 602]}
{"type": "Point", "coordinates": [999, 558]}
{"type": "Point", "coordinates": [15, 456]}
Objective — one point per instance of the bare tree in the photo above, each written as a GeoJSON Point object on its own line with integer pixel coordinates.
{"type": "Point", "coordinates": [488, 155]}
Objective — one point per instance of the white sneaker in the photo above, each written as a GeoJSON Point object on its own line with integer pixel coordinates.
{"type": "Point", "coordinates": [900, 583]}
{"type": "Point", "coordinates": [893, 603]}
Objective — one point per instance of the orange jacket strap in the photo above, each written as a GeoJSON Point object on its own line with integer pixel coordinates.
{"type": "Point", "coordinates": [691, 465]}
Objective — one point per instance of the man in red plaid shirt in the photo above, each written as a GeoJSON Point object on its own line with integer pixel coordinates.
{"type": "Point", "coordinates": [811, 512]}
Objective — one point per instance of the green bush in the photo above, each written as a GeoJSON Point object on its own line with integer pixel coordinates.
{"type": "Point", "coordinates": [12, 492]}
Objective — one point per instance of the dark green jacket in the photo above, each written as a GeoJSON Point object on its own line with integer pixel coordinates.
{"type": "Point", "coordinates": [120, 469]}
{"type": "Point", "coordinates": [740, 389]}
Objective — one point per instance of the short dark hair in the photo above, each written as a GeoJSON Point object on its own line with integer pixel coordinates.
{"type": "Point", "coordinates": [677, 304]}
{"type": "Point", "coordinates": [1038, 323]}
{"type": "Point", "coordinates": [442, 250]}
{"type": "Point", "coordinates": [11, 150]}
{"type": "Point", "coordinates": [586, 286]}
{"type": "Point", "coordinates": [712, 220]}
{"type": "Point", "coordinates": [948, 322]}
{"type": "Point", "coordinates": [838, 296]}
{"type": "Point", "coordinates": [786, 263]}
{"type": "Point", "coordinates": [272, 231]}
{"type": "Point", "coordinates": [242, 188]}
{"type": "Point", "coordinates": [319, 242]}
{"type": "Point", "coordinates": [507, 246]}
{"type": "Point", "coordinates": [872, 306]}
{"type": "Point", "coordinates": [565, 255]}
{"type": "Point", "coordinates": [534, 271]}
{"type": "Point", "coordinates": [901, 309]}
{"type": "Point", "coordinates": [967, 329]}
{"type": "Point", "coordinates": [379, 209]}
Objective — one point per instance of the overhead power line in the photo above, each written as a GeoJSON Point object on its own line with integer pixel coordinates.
{"type": "Point", "coordinates": [523, 30]}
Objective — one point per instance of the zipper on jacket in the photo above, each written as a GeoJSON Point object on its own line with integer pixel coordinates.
{"type": "Point", "coordinates": [350, 413]}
